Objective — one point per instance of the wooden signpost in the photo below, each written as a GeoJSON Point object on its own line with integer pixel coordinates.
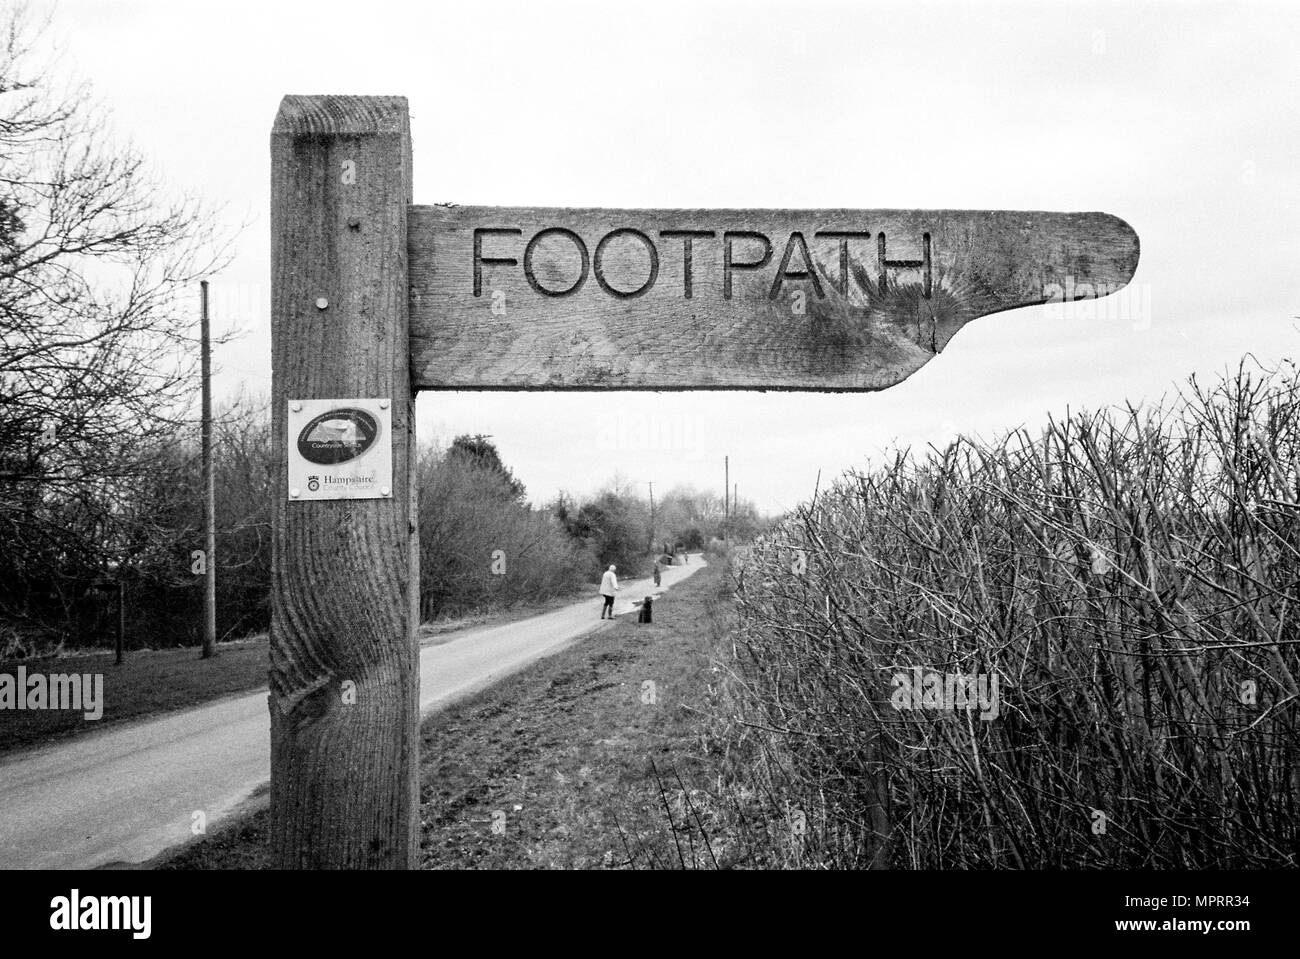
{"type": "Point", "coordinates": [374, 298]}
{"type": "Point", "coordinates": [535, 298]}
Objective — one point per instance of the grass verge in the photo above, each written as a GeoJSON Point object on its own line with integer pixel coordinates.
{"type": "Point", "coordinates": [154, 681]}
{"type": "Point", "coordinates": [597, 757]}
{"type": "Point", "coordinates": [148, 682]}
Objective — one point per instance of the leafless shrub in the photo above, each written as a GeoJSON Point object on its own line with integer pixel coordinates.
{"type": "Point", "coordinates": [1132, 579]}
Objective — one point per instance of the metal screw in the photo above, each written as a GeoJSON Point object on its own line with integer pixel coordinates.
{"type": "Point", "coordinates": [296, 407]}
{"type": "Point", "coordinates": [294, 491]}
{"type": "Point", "coordinates": [383, 490]}
{"type": "Point", "coordinates": [321, 302]}
{"type": "Point", "coordinates": [383, 404]}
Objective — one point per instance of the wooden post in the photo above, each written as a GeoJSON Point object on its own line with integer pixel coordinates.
{"type": "Point", "coordinates": [209, 488]}
{"type": "Point", "coordinates": [345, 583]}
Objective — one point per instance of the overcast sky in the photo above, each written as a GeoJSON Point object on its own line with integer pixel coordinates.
{"type": "Point", "coordinates": [1180, 118]}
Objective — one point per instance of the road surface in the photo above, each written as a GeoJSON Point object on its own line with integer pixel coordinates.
{"type": "Point", "coordinates": [127, 793]}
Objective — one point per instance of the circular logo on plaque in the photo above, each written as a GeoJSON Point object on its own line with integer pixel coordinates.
{"type": "Point", "coordinates": [338, 436]}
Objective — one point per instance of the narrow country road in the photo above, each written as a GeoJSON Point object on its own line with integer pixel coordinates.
{"type": "Point", "coordinates": [125, 794]}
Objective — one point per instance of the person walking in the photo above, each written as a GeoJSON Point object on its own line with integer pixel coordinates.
{"type": "Point", "coordinates": [608, 586]}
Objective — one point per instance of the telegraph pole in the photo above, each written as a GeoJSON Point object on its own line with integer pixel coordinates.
{"type": "Point", "coordinates": [209, 489]}
{"type": "Point", "coordinates": [652, 517]}
{"type": "Point", "coordinates": [726, 493]}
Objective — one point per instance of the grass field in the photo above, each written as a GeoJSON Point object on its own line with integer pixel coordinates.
{"type": "Point", "coordinates": [147, 683]}
{"type": "Point", "coordinates": [150, 682]}
{"type": "Point", "coordinates": [574, 762]}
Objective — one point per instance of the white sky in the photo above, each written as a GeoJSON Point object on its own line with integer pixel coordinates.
{"type": "Point", "coordinates": [1180, 118]}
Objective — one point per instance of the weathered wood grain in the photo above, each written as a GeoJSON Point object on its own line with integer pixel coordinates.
{"type": "Point", "coordinates": [345, 575]}
{"type": "Point", "coordinates": [594, 299]}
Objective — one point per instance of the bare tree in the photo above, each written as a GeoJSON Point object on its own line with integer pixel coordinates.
{"type": "Point", "coordinates": [96, 348]}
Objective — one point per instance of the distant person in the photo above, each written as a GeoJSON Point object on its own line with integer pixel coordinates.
{"type": "Point", "coordinates": [608, 586]}
{"type": "Point", "coordinates": [646, 611]}
{"type": "Point", "coordinates": [656, 572]}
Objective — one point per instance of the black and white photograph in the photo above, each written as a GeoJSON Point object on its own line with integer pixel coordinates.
{"type": "Point", "coordinates": [846, 437]}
